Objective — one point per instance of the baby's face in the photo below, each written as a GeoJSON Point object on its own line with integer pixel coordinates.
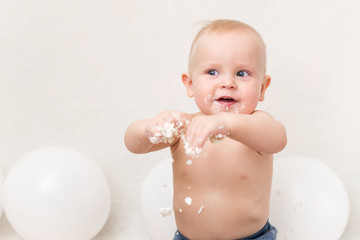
{"type": "Point", "coordinates": [227, 72]}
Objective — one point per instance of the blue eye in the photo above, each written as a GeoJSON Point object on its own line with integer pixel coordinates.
{"type": "Point", "coordinates": [213, 72]}
{"type": "Point", "coordinates": [242, 74]}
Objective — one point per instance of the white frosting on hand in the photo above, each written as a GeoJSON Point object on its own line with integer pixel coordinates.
{"type": "Point", "coordinates": [191, 151]}
{"type": "Point", "coordinates": [218, 138]}
{"type": "Point", "coordinates": [167, 133]}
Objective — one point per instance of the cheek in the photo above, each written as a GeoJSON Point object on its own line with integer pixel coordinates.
{"type": "Point", "coordinates": [204, 97]}
{"type": "Point", "coordinates": [201, 91]}
{"type": "Point", "coordinates": [203, 100]}
{"type": "Point", "coordinates": [252, 95]}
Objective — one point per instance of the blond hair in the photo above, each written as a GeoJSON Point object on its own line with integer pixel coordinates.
{"type": "Point", "coordinates": [224, 26]}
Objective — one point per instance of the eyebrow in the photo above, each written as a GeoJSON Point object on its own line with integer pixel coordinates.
{"type": "Point", "coordinates": [219, 64]}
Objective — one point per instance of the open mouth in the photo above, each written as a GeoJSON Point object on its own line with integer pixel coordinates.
{"type": "Point", "coordinates": [226, 101]}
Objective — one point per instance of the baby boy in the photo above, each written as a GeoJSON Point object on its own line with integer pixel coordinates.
{"type": "Point", "coordinates": [223, 155]}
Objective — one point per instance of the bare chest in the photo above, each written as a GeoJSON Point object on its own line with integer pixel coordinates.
{"type": "Point", "coordinates": [225, 162]}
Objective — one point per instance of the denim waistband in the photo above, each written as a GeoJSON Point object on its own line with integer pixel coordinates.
{"type": "Point", "coordinates": [259, 233]}
{"type": "Point", "coordinates": [264, 230]}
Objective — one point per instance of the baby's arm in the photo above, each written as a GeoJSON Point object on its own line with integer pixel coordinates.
{"type": "Point", "coordinates": [162, 131]}
{"type": "Point", "coordinates": [259, 130]}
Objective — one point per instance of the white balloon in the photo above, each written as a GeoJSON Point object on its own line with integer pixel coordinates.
{"type": "Point", "coordinates": [1, 191]}
{"type": "Point", "coordinates": [156, 197]}
{"type": "Point", "coordinates": [56, 193]}
{"type": "Point", "coordinates": [308, 200]}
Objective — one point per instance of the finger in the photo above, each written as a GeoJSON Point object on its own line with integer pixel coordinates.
{"type": "Point", "coordinates": [201, 136]}
{"type": "Point", "coordinates": [197, 133]}
{"type": "Point", "coordinates": [190, 132]}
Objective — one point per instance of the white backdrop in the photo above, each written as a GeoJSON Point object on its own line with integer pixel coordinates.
{"type": "Point", "coordinates": [76, 73]}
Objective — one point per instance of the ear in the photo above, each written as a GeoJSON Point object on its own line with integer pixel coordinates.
{"type": "Point", "coordinates": [186, 79]}
{"type": "Point", "coordinates": [264, 86]}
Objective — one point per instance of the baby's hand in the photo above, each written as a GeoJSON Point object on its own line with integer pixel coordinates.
{"type": "Point", "coordinates": [166, 126]}
{"type": "Point", "coordinates": [203, 127]}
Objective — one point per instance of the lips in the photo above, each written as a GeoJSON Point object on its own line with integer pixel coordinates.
{"type": "Point", "coordinates": [226, 101]}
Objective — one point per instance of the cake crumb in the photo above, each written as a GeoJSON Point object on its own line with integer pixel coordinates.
{"type": "Point", "coordinates": [167, 133]}
{"type": "Point", "coordinates": [201, 209]}
{"type": "Point", "coordinates": [216, 139]}
{"type": "Point", "coordinates": [188, 200]}
{"type": "Point", "coordinates": [165, 211]}
{"type": "Point", "coordinates": [191, 151]}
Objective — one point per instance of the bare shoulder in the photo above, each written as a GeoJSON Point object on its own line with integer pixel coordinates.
{"type": "Point", "coordinates": [261, 113]}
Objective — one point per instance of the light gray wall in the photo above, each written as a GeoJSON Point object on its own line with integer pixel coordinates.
{"type": "Point", "coordinates": [76, 73]}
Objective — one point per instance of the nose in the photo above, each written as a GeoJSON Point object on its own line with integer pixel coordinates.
{"type": "Point", "coordinates": [228, 82]}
